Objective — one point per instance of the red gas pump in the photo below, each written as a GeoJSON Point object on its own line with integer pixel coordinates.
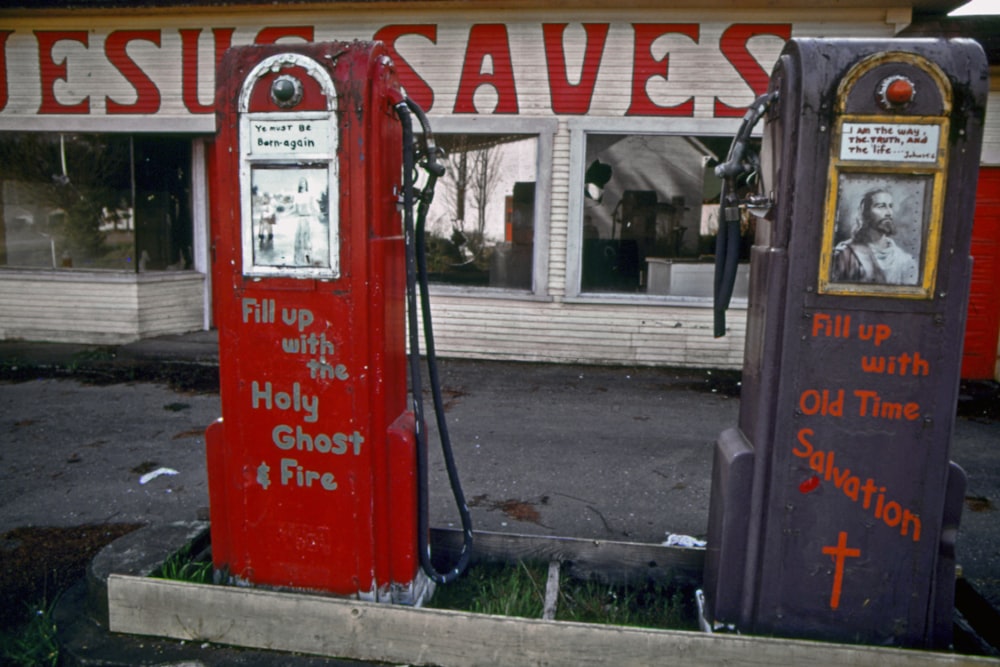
{"type": "Point", "coordinates": [317, 475]}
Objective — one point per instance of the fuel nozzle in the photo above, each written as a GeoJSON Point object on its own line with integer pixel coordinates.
{"type": "Point", "coordinates": [434, 162]}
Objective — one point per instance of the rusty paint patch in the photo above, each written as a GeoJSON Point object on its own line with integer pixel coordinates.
{"type": "Point", "coordinates": [979, 504]}
{"type": "Point", "coordinates": [519, 510]}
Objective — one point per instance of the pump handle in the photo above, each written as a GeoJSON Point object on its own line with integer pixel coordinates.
{"type": "Point", "coordinates": [740, 160]}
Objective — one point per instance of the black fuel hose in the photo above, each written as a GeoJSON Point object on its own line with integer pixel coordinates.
{"type": "Point", "coordinates": [727, 257]}
{"type": "Point", "coordinates": [727, 242]}
{"type": "Point", "coordinates": [416, 273]}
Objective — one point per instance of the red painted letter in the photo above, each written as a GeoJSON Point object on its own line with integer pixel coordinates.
{"type": "Point", "coordinates": [414, 85]}
{"type": "Point", "coordinates": [569, 98]}
{"type": "Point", "coordinates": [51, 71]}
{"type": "Point", "coordinates": [4, 34]}
{"type": "Point", "coordinates": [733, 45]}
{"type": "Point", "coordinates": [646, 67]}
{"type": "Point", "coordinates": [487, 41]}
{"type": "Point", "coordinates": [189, 64]}
{"type": "Point", "coordinates": [272, 35]}
{"type": "Point", "coordinates": [147, 95]}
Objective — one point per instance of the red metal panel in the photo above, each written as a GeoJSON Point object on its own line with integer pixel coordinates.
{"type": "Point", "coordinates": [312, 369]}
{"type": "Point", "coordinates": [398, 520]}
{"type": "Point", "coordinates": [982, 332]}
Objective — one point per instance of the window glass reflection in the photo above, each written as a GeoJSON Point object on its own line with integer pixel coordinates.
{"type": "Point", "coordinates": [481, 225]}
{"type": "Point", "coordinates": [650, 214]}
{"type": "Point", "coordinates": [95, 201]}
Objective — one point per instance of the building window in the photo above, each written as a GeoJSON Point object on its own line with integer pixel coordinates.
{"type": "Point", "coordinates": [95, 201]}
{"type": "Point", "coordinates": [650, 213]}
{"type": "Point", "coordinates": [481, 225]}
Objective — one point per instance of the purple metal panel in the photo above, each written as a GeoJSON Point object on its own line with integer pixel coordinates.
{"type": "Point", "coordinates": [850, 382]}
{"type": "Point", "coordinates": [729, 518]}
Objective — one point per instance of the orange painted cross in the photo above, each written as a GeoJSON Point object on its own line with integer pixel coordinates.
{"type": "Point", "coordinates": [839, 553]}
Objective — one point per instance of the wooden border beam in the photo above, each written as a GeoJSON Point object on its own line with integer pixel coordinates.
{"type": "Point", "coordinates": [368, 631]}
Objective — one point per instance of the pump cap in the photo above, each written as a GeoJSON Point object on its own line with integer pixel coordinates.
{"type": "Point", "coordinates": [895, 91]}
{"type": "Point", "coordinates": [286, 91]}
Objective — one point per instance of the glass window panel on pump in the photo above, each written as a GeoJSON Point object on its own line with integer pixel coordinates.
{"type": "Point", "coordinates": [95, 201]}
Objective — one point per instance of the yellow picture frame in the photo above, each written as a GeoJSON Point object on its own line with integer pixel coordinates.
{"type": "Point", "coordinates": [886, 171]}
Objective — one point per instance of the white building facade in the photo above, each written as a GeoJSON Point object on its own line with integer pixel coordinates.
{"type": "Point", "coordinates": [577, 220]}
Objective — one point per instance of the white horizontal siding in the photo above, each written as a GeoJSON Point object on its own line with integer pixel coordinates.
{"type": "Point", "coordinates": [479, 324]}
{"type": "Point", "coordinates": [697, 67]}
{"type": "Point", "coordinates": [991, 130]}
{"type": "Point", "coordinates": [171, 306]}
{"type": "Point", "coordinates": [539, 331]}
{"type": "Point", "coordinates": [559, 211]}
{"type": "Point", "coordinates": [77, 307]}
{"type": "Point", "coordinates": [46, 307]}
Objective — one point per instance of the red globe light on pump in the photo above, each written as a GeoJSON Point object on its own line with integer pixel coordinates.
{"type": "Point", "coordinates": [895, 92]}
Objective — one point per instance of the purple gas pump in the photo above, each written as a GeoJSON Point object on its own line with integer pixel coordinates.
{"type": "Point", "coordinates": [835, 505]}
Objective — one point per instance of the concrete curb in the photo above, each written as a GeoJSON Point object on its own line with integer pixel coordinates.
{"type": "Point", "coordinates": [81, 613]}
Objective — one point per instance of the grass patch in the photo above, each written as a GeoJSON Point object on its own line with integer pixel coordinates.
{"type": "Point", "coordinates": [518, 589]}
{"type": "Point", "coordinates": [184, 566]}
{"type": "Point", "coordinates": [496, 588]}
{"type": "Point", "coordinates": [649, 605]}
{"type": "Point", "coordinates": [34, 643]}
{"type": "Point", "coordinates": [36, 565]}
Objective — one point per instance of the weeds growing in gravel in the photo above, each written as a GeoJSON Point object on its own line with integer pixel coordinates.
{"type": "Point", "coordinates": [518, 589]}
{"type": "Point", "coordinates": [183, 567]}
{"type": "Point", "coordinates": [34, 643]}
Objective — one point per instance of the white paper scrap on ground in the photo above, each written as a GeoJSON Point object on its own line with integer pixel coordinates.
{"type": "Point", "coordinates": [149, 476]}
{"type": "Point", "coordinates": [674, 540]}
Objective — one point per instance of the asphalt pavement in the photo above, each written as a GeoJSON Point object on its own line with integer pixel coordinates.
{"type": "Point", "coordinates": [98, 434]}
{"type": "Point", "coordinates": [577, 451]}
